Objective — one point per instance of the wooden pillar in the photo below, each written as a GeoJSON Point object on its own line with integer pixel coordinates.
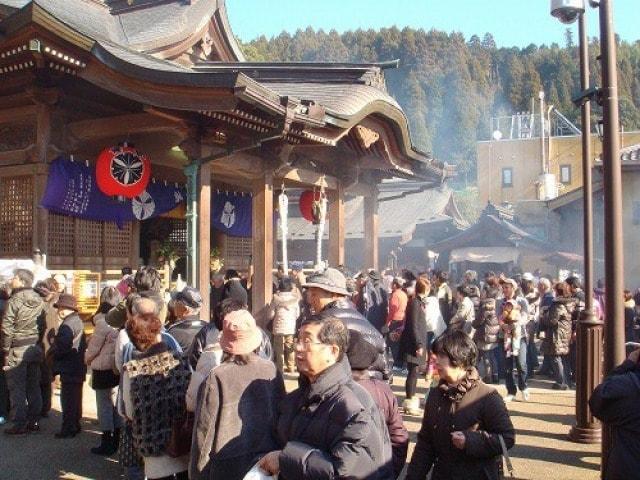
{"type": "Point", "coordinates": [41, 215]}
{"type": "Point", "coordinates": [371, 231]}
{"type": "Point", "coordinates": [262, 229]}
{"type": "Point", "coordinates": [134, 260]}
{"type": "Point", "coordinates": [336, 227]}
{"type": "Point", "coordinates": [204, 237]}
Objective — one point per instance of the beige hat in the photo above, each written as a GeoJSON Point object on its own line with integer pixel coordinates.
{"type": "Point", "coordinates": [240, 334]}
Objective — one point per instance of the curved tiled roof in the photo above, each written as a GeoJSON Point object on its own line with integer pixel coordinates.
{"type": "Point", "coordinates": [142, 29]}
{"type": "Point", "coordinates": [339, 99]}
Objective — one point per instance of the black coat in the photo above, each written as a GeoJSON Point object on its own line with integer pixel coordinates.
{"type": "Point", "coordinates": [234, 289]}
{"type": "Point", "coordinates": [374, 303]}
{"type": "Point", "coordinates": [344, 310]}
{"type": "Point", "coordinates": [557, 325]}
{"type": "Point", "coordinates": [414, 335]}
{"type": "Point", "coordinates": [332, 429]}
{"type": "Point", "coordinates": [186, 330]}
{"type": "Point", "coordinates": [482, 416]}
{"type": "Point", "coordinates": [615, 401]}
{"type": "Point", "coordinates": [68, 350]}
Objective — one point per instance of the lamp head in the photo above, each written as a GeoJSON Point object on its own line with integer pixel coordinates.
{"type": "Point", "coordinates": [567, 11]}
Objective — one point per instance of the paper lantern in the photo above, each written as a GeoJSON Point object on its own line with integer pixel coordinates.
{"type": "Point", "coordinates": [122, 171]}
{"type": "Point", "coordinates": [308, 203]}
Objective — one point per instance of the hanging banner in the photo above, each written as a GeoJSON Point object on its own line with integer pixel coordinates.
{"type": "Point", "coordinates": [231, 214]}
{"type": "Point", "coordinates": [72, 190]}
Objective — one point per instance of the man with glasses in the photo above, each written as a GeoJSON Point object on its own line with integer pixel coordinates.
{"type": "Point", "coordinates": [329, 427]}
{"type": "Point", "coordinates": [326, 293]}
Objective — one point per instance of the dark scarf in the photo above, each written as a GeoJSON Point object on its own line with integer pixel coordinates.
{"type": "Point", "coordinates": [456, 391]}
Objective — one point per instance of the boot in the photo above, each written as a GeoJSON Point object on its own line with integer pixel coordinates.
{"type": "Point", "coordinates": [114, 442]}
{"type": "Point", "coordinates": [105, 443]}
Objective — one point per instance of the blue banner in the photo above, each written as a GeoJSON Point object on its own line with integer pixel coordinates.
{"type": "Point", "coordinates": [231, 214]}
{"type": "Point", "coordinates": [72, 190]}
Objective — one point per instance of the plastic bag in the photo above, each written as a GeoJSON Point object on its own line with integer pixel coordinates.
{"type": "Point", "coordinates": [256, 473]}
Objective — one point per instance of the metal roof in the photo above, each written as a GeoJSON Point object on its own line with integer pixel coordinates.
{"type": "Point", "coordinates": [397, 217]}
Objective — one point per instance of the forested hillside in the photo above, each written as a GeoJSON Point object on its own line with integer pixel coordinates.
{"type": "Point", "coordinates": [450, 86]}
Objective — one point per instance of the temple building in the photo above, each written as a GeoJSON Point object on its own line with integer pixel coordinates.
{"type": "Point", "coordinates": [164, 87]}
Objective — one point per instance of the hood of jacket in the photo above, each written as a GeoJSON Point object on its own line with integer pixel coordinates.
{"type": "Point", "coordinates": [288, 298]}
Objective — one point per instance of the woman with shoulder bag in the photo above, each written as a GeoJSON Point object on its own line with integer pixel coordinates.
{"type": "Point", "coordinates": [100, 356]}
{"type": "Point", "coordinates": [468, 427]}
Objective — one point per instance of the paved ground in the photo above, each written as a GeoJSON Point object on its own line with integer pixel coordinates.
{"type": "Point", "coordinates": [542, 450]}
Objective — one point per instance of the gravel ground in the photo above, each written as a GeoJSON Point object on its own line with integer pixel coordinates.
{"type": "Point", "coordinates": [542, 449]}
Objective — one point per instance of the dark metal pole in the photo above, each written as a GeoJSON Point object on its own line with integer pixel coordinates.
{"type": "Point", "coordinates": [589, 334]}
{"type": "Point", "coordinates": [614, 352]}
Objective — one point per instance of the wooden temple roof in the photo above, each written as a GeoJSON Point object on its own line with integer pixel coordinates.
{"type": "Point", "coordinates": [182, 56]}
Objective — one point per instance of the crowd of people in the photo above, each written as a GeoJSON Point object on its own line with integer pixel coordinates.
{"type": "Point", "coordinates": [182, 398]}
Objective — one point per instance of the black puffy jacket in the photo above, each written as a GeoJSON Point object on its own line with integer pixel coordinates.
{"type": "Point", "coordinates": [346, 311]}
{"type": "Point", "coordinates": [332, 429]}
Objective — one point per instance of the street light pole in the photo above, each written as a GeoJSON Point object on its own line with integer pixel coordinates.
{"type": "Point", "coordinates": [614, 351]}
{"type": "Point", "coordinates": [589, 334]}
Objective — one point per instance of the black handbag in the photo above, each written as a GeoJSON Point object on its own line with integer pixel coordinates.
{"type": "Point", "coordinates": [103, 379]}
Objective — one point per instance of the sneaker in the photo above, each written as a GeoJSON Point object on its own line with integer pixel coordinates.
{"type": "Point", "coordinates": [3, 420]}
{"type": "Point", "coordinates": [525, 395]}
{"type": "Point", "coordinates": [509, 398]}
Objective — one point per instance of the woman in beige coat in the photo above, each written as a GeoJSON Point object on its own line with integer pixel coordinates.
{"type": "Point", "coordinates": [100, 356]}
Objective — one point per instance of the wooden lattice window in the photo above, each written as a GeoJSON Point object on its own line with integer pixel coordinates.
{"type": "Point", "coordinates": [178, 236]}
{"type": "Point", "coordinates": [61, 235]}
{"type": "Point", "coordinates": [117, 241]}
{"type": "Point", "coordinates": [16, 216]}
{"type": "Point", "coordinates": [238, 251]}
{"type": "Point", "coordinates": [88, 238]}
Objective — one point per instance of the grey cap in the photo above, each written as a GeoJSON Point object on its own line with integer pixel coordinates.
{"type": "Point", "coordinates": [331, 280]}
{"type": "Point", "coordinates": [190, 297]}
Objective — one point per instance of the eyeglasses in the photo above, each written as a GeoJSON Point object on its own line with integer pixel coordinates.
{"type": "Point", "coordinates": [306, 343]}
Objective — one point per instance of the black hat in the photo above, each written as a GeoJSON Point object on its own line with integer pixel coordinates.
{"type": "Point", "coordinates": [190, 297]}
{"type": "Point", "coordinates": [361, 354]}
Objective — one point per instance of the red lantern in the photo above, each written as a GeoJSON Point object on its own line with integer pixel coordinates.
{"type": "Point", "coordinates": [122, 171]}
{"type": "Point", "coordinates": [306, 204]}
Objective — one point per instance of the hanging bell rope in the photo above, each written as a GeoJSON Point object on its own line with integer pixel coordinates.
{"type": "Point", "coordinates": [283, 212]}
{"type": "Point", "coordinates": [319, 209]}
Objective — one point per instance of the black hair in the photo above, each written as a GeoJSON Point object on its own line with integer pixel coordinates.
{"type": "Point", "coordinates": [459, 347]}
{"type": "Point", "coordinates": [25, 276]}
{"type": "Point", "coordinates": [443, 277]}
{"type": "Point", "coordinates": [462, 290]}
{"type": "Point", "coordinates": [285, 284]}
{"type": "Point", "coordinates": [126, 271]}
{"type": "Point", "coordinates": [224, 308]}
{"type": "Point", "coordinates": [147, 279]}
{"type": "Point", "coordinates": [231, 273]}
{"type": "Point", "coordinates": [332, 332]}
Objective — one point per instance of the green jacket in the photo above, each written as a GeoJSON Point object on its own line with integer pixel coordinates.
{"type": "Point", "coordinates": [20, 325]}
